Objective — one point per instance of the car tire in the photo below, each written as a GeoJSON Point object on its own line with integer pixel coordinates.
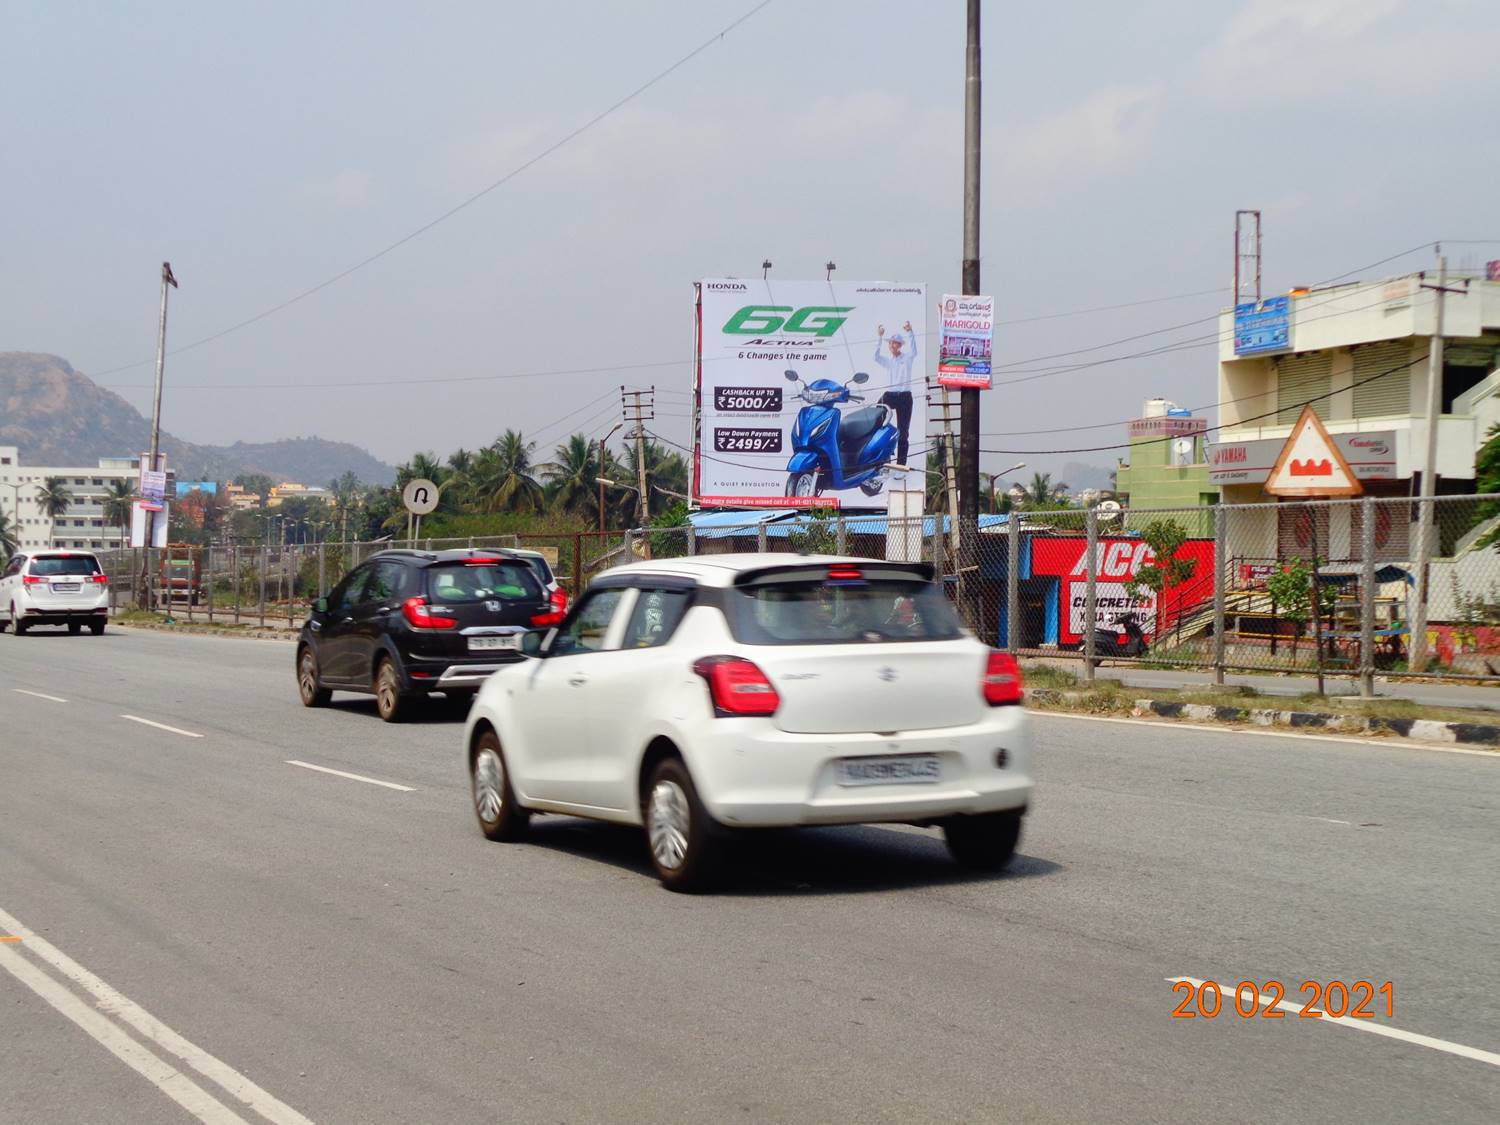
{"type": "Point", "coordinates": [309, 687]}
{"type": "Point", "coordinates": [75, 628]}
{"type": "Point", "coordinates": [20, 622]}
{"type": "Point", "coordinates": [680, 834]}
{"type": "Point", "coordinates": [97, 628]}
{"type": "Point", "coordinates": [985, 842]}
{"type": "Point", "coordinates": [500, 817]}
{"type": "Point", "coordinates": [389, 702]}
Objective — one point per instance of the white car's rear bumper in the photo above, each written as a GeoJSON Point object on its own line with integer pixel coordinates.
{"type": "Point", "coordinates": [750, 774]}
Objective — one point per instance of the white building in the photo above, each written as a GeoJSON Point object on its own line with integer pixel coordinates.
{"type": "Point", "coordinates": [1358, 353]}
{"type": "Point", "coordinates": [84, 524]}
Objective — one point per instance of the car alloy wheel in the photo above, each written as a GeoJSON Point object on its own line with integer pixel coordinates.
{"type": "Point", "coordinates": [669, 823]}
{"type": "Point", "coordinates": [313, 695]}
{"type": "Point", "coordinates": [388, 692]}
{"type": "Point", "coordinates": [500, 817]}
{"type": "Point", "coordinates": [489, 781]}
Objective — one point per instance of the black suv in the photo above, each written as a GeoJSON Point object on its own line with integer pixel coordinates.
{"type": "Point", "coordinates": [406, 623]}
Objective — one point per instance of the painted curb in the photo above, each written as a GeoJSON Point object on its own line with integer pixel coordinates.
{"type": "Point", "coordinates": [207, 631]}
{"type": "Point", "coordinates": [1427, 730]}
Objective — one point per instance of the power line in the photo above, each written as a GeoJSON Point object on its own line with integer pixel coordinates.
{"type": "Point", "coordinates": [475, 198]}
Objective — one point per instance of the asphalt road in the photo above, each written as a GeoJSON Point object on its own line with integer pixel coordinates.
{"type": "Point", "coordinates": [206, 925]}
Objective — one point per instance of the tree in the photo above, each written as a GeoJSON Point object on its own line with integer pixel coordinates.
{"type": "Point", "coordinates": [572, 473]}
{"type": "Point", "coordinates": [118, 503]}
{"type": "Point", "coordinates": [53, 495]}
{"type": "Point", "coordinates": [1039, 492]}
{"type": "Point", "coordinates": [1166, 570]}
{"type": "Point", "coordinates": [504, 477]}
{"type": "Point", "coordinates": [8, 537]}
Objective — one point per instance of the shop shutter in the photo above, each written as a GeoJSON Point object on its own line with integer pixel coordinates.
{"type": "Point", "coordinates": [1298, 379]}
{"type": "Point", "coordinates": [1391, 392]}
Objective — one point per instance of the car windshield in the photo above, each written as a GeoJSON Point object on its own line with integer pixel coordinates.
{"type": "Point", "coordinates": [50, 566]}
{"type": "Point", "coordinates": [540, 568]}
{"type": "Point", "coordinates": [479, 582]}
{"type": "Point", "coordinates": [806, 612]}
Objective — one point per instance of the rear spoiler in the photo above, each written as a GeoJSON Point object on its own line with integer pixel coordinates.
{"type": "Point", "coordinates": [818, 572]}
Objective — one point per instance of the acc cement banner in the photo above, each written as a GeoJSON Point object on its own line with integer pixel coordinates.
{"type": "Point", "coordinates": [810, 391]}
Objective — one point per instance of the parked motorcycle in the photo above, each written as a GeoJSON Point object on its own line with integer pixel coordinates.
{"type": "Point", "coordinates": [1125, 638]}
{"type": "Point", "coordinates": [835, 449]}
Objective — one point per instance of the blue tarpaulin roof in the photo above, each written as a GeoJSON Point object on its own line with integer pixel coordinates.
{"type": "Point", "coordinates": [783, 522]}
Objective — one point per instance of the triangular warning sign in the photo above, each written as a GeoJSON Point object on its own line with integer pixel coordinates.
{"type": "Point", "coordinates": [1311, 464]}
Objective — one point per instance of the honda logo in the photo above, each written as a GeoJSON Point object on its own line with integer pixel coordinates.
{"type": "Point", "coordinates": [493, 607]}
{"type": "Point", "coordinates": [887, 674]}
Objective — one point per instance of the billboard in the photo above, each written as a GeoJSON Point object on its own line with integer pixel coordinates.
{"type": "Point", "coordinates": [809, 390]}
{"type": "Point", "coordinates": [1263, 328]}
{"type": "Point", "coordinates": [1118, 561]}
{"type": "Point", "coordinates": [1372, 456]}
{"type": "Point", "coordinates": [965, 354]}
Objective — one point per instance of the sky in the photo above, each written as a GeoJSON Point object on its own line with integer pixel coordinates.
{"type": "Point", "coordinates": [266, 149]}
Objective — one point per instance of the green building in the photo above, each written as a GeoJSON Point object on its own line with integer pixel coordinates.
{"type": "Point", "coordinates": [1168, 465]}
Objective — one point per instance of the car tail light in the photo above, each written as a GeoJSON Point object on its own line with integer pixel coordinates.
{"type": "Point", "coordinates": [554, 616]}
{"type": "Point", "coordinates": [33, 580]}
{"type": "Point", "coordinates": [737, 686]}
{"type": "Point", "coordinates": [482, 560]}
{"type": "Point", "coordinates": [1002, 680]}
{"type": "Point", "coordinates": [419, 615]}
{"type": "Point", "coordinates": [101, 579]}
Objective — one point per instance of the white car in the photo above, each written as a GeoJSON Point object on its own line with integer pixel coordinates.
{"type": "Point", "coordinates": [54, 588]}
{"type": "Point", "coordinates": [698, 695]}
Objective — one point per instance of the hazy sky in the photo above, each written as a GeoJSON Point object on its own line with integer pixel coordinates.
{"type": "Point", "coordinates": [265, 148]}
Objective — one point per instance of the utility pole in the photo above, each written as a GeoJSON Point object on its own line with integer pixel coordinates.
{"type": "Point", "coordinates": [161, 363]}
{"type": "Point", "coordinates": [968, 566]}
{"type": "Point", "coordinates": [1417, 650]}
{"type": "Point", "coordinates": [600, 474]}
{"type": "Point", "coordinates": [950, 472]}
{"type": "Point", "coordinates": [643, 407]}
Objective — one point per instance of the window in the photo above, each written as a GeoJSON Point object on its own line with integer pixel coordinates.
{"type": "Point", "coordinates": [386, 580]}
{"type": "Point", "coordinates": [50, 566]}
{"type": "Point", "coordinates": [461, 583]}
{"type": "Point", "coordinates": [77, 480]}
{"type": "Point", "coordinates": [822, 609]}
{"type": "Point", "coordinates": [98, 482]}
{"type": "Point", "coordinates": [655, 618]}
{"type": "Point", "coordinates": [585, 630]}
{"type": "Point", "coordinates": [345, 596]}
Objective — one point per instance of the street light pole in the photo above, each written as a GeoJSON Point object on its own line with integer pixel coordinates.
{"type": "Point", "coordinates": [969, 413]}
{"type": "Point", "coordinates": [602, 440]}
{"type": "Point", "coordinates": [161, 363]}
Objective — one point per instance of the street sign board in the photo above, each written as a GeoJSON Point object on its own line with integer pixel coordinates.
{"type": "Point", "coordinates": [1311, 465]}
{"type": "Point", "coordinates": [420, 496]}
{"type": "Point", "coordinates": [965, 354]}
{"type": "Point", "coordinates": [1264, 327]}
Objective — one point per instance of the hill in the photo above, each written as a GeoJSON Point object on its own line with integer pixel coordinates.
{"type": "Point", "coordinates": [58, 416]}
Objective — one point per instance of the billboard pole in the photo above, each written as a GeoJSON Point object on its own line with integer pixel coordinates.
{"type": "Point", "coordinates": [968, 562]}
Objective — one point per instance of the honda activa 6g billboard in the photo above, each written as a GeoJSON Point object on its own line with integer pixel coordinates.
{"type": "Point", "coordinates": [811, 391]}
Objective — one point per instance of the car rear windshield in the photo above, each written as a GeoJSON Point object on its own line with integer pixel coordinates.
{"type": "Point", "coordinates": [827, 611]}
{"type": "Point", "coordinates": [458, 583]}
{"type": "Point", "coordinates": [540, 568]}
{"type": "Point", "coordinates": [49, 566]}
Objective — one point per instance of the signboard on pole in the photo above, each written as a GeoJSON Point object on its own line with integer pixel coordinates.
{"type": "Point", "coordinates": [1263, 328]}
{"type": "Point", "coordinates": [965, 354]}
{"type": "Point", "coordinates": [141, 515]}
{"type": "Point", "coordinates": [1311, 465]}
{"type": "Point", "coordinates": [810, 391]}
{"type": "Point", "coordinates": [420, 496]}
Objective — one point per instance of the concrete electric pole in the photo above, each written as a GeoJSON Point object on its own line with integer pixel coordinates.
{"type": "Point", "coordinates": [1426, 507]}
{"type": "Point", "coordinates": [968, 460]}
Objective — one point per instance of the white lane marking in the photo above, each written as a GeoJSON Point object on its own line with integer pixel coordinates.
{"type": "Point", "coordinates": [1374, 1028]}
{"type": "Point", "coordinates": [1383, 743]}
{"type": "Point", "coordinates": [128, 1011]}
{"type": "Point", "coordinates": [350, 776]}
{"type": "Point", "coordinates": [170, 1081]}
{"type": "Point", "coordinates": [161, 726]}
{"type": "Point", "coordinates": [38, 694]}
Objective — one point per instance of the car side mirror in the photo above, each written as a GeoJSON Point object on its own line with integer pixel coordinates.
{"type": "Point", "coordinates": [791, 376]}
{"type": "Point", "coordinates": [320, 606]}
{"type": "Point", "coordinates": [861, 377]}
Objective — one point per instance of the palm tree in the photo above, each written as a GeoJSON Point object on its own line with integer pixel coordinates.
{"type": "Point", "coordinates": [571, 475]}
{"type": "Point", "coordinates": [1039, 493]}
{"type": "Point", "coordinates": [118, 502]}
{"type": "Point", "coordinates": [664, 470]}
{"type": "Point", "coordinates": [53, 495]}
{"type": "Point", "coordinates": [8, 540]}
{"type": "Point", "coordinates": [460, 462]}
{"type": "Point", "coordinates": [503, 475]}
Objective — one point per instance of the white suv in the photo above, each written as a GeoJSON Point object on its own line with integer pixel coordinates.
{"type": "Point", "coordinates": [697, 695]}
{"type": "Point", "coordinates": [54, 588]}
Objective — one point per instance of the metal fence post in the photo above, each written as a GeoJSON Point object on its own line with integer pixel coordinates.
{"type": "Point", "coordinates": [629, 545]}
{"type": "Point", "coordinates": [760, 537]}
{"type": "Point", "coordinates": [1221, 569]}
{"type": "Point", "coordinates": [234, 562]}
{"type": "Point", "coordinates": [692, 540]}
{"type": "Point", "coordinates": [190, 581]}
{"type": "Point", "coordinates": [265, 561]}
{"type": "Point", "coordinates": [841, 536]}
{"type": "Point", "coordinates": [208, 579]}
{"type": "Point", "coordinates": [293, 570]}
{"type": "Point", "coordinates": [1367, 598]}
{"type": "Point", "coordinates": [1013, 583]}
{"type": "Point", "coordinates": [1091, 595]}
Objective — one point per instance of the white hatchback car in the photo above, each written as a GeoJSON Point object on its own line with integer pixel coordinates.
{"type": "Point", "coordinates": [54, 588]}
{"type": "Point", "coordinates": [697, 695]}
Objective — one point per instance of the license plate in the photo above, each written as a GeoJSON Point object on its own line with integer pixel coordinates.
{"type": "Point", "coordinates": [491, 644]}
{"type": "Point", "coordinates": [66, 587]}
{"type": "Point", "coordinates": [908, 769]}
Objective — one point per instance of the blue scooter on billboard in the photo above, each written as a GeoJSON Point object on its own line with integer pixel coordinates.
{"type": "Point", "coordinates": [835, 449]}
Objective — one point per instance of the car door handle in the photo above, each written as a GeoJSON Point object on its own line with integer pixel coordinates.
{"type": "Point", "coordinates": [578, 681]}
{"type": "Point", "coordinates": [383, 610]}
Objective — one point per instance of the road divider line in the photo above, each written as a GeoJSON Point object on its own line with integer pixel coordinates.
{"type": "Point", "coordinates": [161, 726]}
{"type": "Point", "coordinates": [351, 776]}
{"type": "Point", "coordinates": [1459, 1049]}
{"type": "Point", "coordinates": [114, 1003]}
{"type": "Point", "coordinates": [38, 695]}
{"type": "Point", "coordinates": [165, 1077]}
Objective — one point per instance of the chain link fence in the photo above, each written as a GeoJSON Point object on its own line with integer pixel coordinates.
{"type": "Point", "coordinates": [1298, 587]}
